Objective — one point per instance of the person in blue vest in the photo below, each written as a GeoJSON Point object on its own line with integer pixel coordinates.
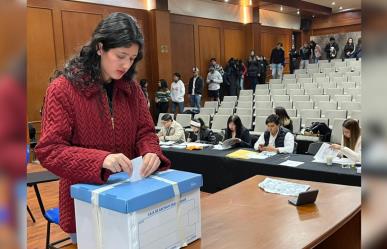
{"type": "Point", "coordinates": [275, 138]}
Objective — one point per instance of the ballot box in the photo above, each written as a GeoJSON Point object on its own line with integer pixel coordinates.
{"type": "Point", "coordinates": [161, 211]}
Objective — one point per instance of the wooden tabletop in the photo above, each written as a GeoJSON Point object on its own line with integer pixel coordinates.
{"type": "Point", "coordinates": [244, 216]}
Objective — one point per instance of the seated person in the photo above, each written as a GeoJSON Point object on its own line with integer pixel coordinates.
{"type": "Point", "coordinates": [285, 120]}
{"type": "Point", "coordinates": [235, 129]}
{"type": "Point", "coordinates": [171, 130]}
{"type": "Point", "coordinates": [351, 141]}
{"type": "Point", "coordinates": [275, 138]}
{"type": "Point", "coordinates": [200, 133]}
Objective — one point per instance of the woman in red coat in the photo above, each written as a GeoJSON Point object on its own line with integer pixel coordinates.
{"type": "Point", "coordinates": [95, 117]}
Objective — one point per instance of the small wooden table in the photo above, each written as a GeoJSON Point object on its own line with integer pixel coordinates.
{"type": "Point", "coordinates": [244, 216]}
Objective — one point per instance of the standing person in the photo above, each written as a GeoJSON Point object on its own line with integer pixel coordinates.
{"type": "Point", "coordinates": [293, 55]}
{"type": "Point", "coordinates": [262, 69]}
{"type": "Point", "coordinates": [305, 56]}
{"type": "Point", "coordinates": [277, 61]}
{"type": "Point", "coordinates": [144, 88]}
{"type": "Point", "coordinates": [312, 46]}
{"type": "Point", "coordinates": [351, 141]}
{"type": "Point", "coordinates": [331, 49]}
{"type": "Point", "coordinates": [219, 68]}
{"type": "Point", "coordinates": [214, 80]}
{"type": "Point", "coordinates": [195, 89]}
{"type": "Point", "coordinates": [349, 49]}
{"type": "Point", "coordinates": [358, 49]}
{"type": "Point", "coordinates": [163, 96]}
{"type": "Point", "coordinates": [317, 52]}
{"type": "Point", "coordinates": [253, 69]}
{"type": "Point", "coordinates": [95, 116]}
{"type": "Point", "coordinates": [243, 71]}
{"type": "Point", "coordinates": [177, 93]}
{"type": "Point", "coordinates": [232, 77]}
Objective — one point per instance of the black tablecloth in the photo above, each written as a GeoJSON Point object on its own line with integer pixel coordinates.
{"type": "Point", "coordinates": [220, 172]}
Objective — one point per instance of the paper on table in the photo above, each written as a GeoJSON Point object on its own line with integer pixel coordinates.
{"type": "Point", "coordinates": [242, 154]}
{"type": "Point", "coordinates": [262, 155]}
{"type": "Point", "coordinates": [342, 160]}
{"type": "Point", "coordinates": [167, 143]}
{"type": "Point", "coordinates": [136, 164]}
{"type": "Point", "coordinates": [291, 163]}
{"type": "Point", "coordinates": [219, 147]}
{"type": "Point", "coordinates": [324, 152]}
{"type": "Point", "coordinates": [282, 187]}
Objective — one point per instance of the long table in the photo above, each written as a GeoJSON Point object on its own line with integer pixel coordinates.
{"type": "Point", "coordinates": [220, 172]}
{"type": "Point", "coordinates": [244, 216]}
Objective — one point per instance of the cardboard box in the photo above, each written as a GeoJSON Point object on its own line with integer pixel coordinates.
{"type": "Point", "coordinates": [162, 211]}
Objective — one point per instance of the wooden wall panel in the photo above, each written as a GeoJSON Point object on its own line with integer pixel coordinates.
{"type": "Point", "coordinates": [56, 30]}
{"type": "Point", "coordinates": [41, 57]}
{"type": "Point", "coordinates": [77, 30]}
{"type": "Point", "coordinates": [269, 39]}
{"type": "Point", "coordinates": [234, 44]}
{"type": "Point", "coordinates": [183, 47]}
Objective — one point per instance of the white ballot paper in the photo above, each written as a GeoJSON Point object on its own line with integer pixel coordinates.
{"type": "Point", "coordinates": [324, 152]}
{"type": "Point", "coordinates": [136, 164]}
{"type": "Point", "coordinates": [291, 163]}
{"type": "Point", "coordinates": [282, 187]}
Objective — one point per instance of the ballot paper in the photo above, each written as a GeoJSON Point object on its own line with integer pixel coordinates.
{"type": "Point", "coordinates": [291, 163]}
{"type": "Point", "coordinates": [219, 147]}
{"type": "Point", "coordinates": [324, 152]}
{"type": "Point", "coordinates": [167, 143]}
{"type": "Point", "coordinates": [136, 174]}
{"type": "Point", "coordinates": [275, 186]}
{"type": "Point", "coordinates": [262, 155]}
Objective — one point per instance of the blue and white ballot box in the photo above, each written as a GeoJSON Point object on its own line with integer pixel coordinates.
{"type": "Point", "coordinates": [161, 211]}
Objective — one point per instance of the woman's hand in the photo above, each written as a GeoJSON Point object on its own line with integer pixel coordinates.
{"type": "Point", "coordinates": [151, 163]}
{"type": "Point", "coordinates": [118, 163]}
{"type": "Point", "coordinates": [335, 146]}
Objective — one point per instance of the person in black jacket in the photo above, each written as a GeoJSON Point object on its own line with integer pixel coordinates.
{"type": "Point", "coordinates": [277, 61]}
{"type": "Point", "coordinates": [232, 77]}
{"type": "Point", "coordinates": [293, 55]}
{"type": "Point", "coordinates": [305, 55]}
{"type": "Point", "coordinates": [235, 129]}
{"type": "Point", "coordinates": [252, 69]}
{"type": "Point", "coordinates": [357, 54]}
{"type": "Point", "coordinates": [200, 133]}
{"type": "Point", "coordinates": [285, 120]}
{"type": "Point", "coordinates": [262, 68]}
{"type": "Point", "coordinates": [349, 49]}
{"type": "Point", "coordinates": [331, 49]}
{"type": "Point", "coordinates": [195, 89]}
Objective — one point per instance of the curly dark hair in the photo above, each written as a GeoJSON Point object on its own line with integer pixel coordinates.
{"type": "Point", "coordinates": [116, 30]}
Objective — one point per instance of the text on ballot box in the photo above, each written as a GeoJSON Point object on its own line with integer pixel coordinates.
{"type": "Point", "coordinates": [161, 211]}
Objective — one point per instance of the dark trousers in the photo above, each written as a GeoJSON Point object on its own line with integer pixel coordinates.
{"type": "Point", "coordinates": [162, 107]}
{"type": "Point", "coordinates": [293, 65]}
{"type": "Point", "coordinates": [253, 81]}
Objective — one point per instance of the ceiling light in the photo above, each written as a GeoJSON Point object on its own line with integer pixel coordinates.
{"type": "Point", "coordinates": [313, 16]}
{"type": "Point", "coordinates": [298, 12]}
{"type": "Point", "coordinates": [251, 2]}
{"type": "Point", "coordinates": [226, 1]}
{"type": "Point", "coordinates": [333, 3]}
{"type": "Point", "coordinates": [341, 7]}
{"type": "Point", "coordinates": [282, 8]}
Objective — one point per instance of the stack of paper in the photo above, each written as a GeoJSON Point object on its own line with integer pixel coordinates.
{"type": "Point", "coordinates": [282, 187]}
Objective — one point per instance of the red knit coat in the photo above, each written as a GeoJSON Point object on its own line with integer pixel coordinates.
{"type": "Point", "coordinates": [78, 133]}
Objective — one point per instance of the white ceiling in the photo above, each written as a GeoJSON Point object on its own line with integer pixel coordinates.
{"type": "Point", "coordinates": [346, 4]}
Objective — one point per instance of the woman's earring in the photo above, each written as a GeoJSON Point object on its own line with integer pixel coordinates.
{"type": "Point", "coordinates": [99, 52]}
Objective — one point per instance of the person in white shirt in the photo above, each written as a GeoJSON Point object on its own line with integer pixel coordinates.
{"type": "Point", "coordinates": [275, 138]}
{"type": "Point", "coordinates": [351, 141]}
{"type": "Point", "coordinates": [177, 93]}
{"type": "Point", "coordinates": [214, 79]}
